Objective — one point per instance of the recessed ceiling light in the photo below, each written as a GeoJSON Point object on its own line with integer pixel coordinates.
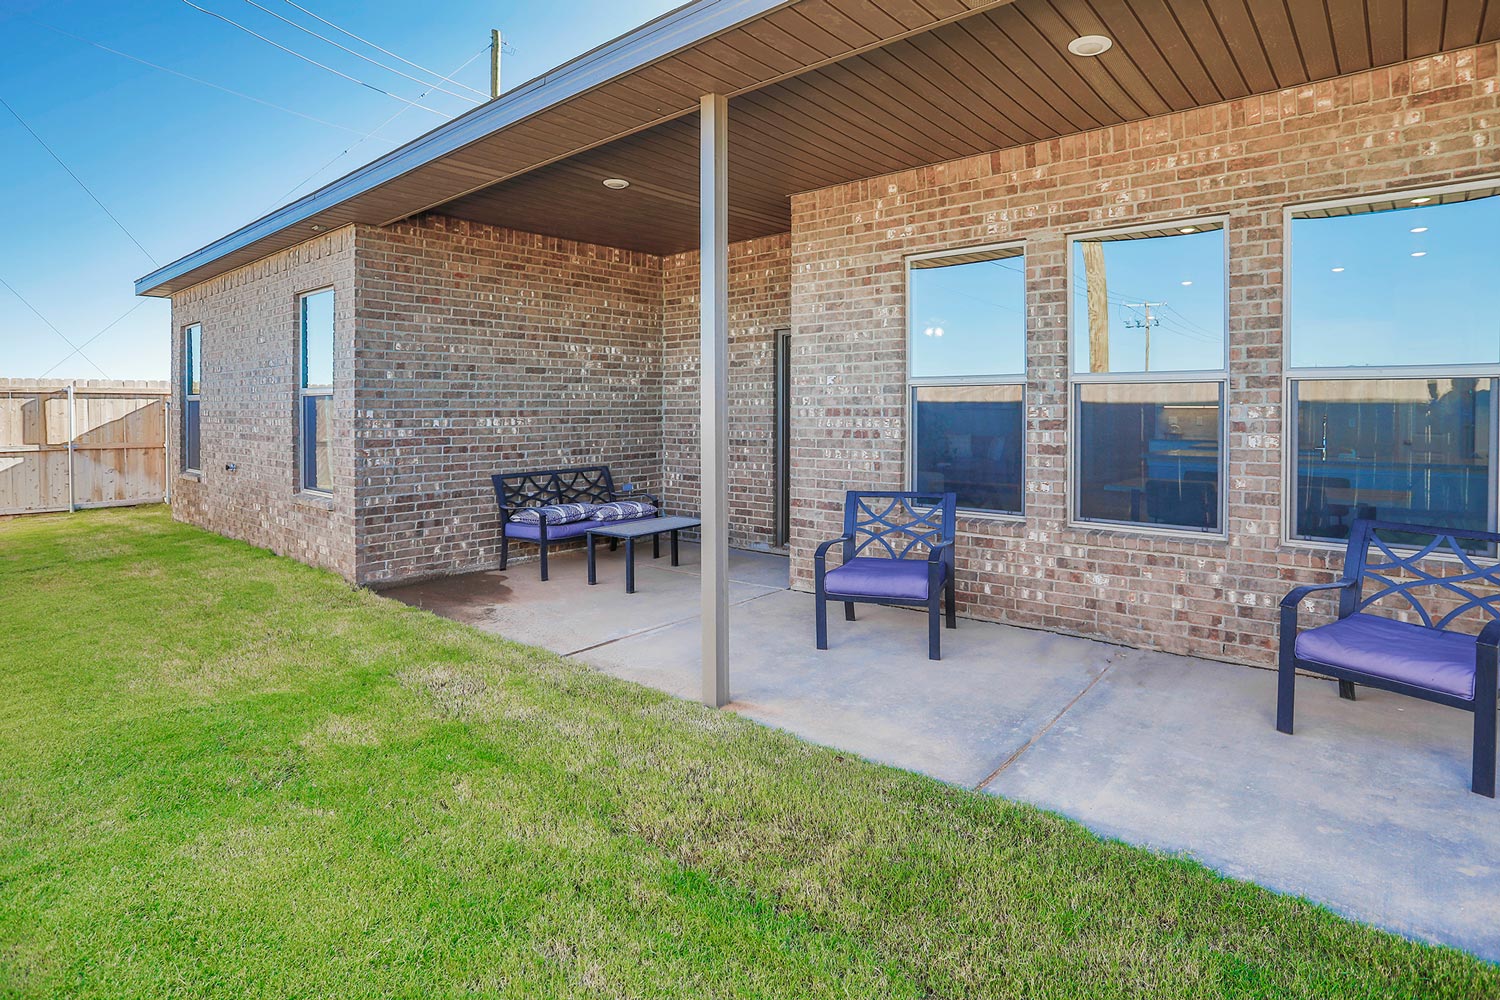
{"type": "Point", "coordinates": [1420, 229]}
{"type": "Point", "coordinates": [1338, 270]}
{"type": "Point", "coordinates": [616, 183]}
{"type": "Point", "coordinates": [1186, 283]}
{"type": "Point", "coordinates": [1420, 201]}
{"type": "Point", "coordinates": [1188, 229]}
{"type": "Point", "coordinates": [1090, 45]}
{"type": "Point", "coordinates": [933, 331]}
{"type": "Point", "coordinates": [1420, 253]}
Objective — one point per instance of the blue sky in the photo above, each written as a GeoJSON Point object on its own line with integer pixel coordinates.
{"type": "Point", "coordinates": [180, 163]}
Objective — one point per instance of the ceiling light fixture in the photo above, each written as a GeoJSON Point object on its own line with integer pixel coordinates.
{"type": "Point", "coordinates": [1338, 270]}
{"type": "Point", "coordinates": [1090, 45]}
{"type": "Point", "coordinates": [1186, 284]}
{"type": "Point", "coordinates": [1188, 229]}
{"type": "Point", "coordinates": [616, 183]}
{"type": "Point", "coordinates": [1420, 253]}
{"type": "Point", "coordinates": [317, 228]}
{"type": "Point", "coordinates": [933, 331]}
{"type": "Point", "coordinates": [1420, 201]}
{"type": "Point", "coordinates": [1420, 229]}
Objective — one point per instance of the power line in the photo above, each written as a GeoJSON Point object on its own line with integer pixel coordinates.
{"type": "Point", "coordinates": [359, 55]}
{"type": "Point", "coordinates": [25, 302]}
{"type": "Point", "coordinates": [314, 62]}
{"type": "Point", "coordinates": [79, 349]}
{"type": "Point", "coordinates": [194, 79]}
{"type": "Point", "coordinates": [76, 178]}
{"type": "Point", "coordinates": [354, 145]}
{"type": "Point", "coordinates": [377, 48]}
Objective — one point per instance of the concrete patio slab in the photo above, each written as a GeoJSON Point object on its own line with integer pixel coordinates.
{"type": "Point", "coordinates": [1365, 810]}
{"type": "Point", "coordinates": [874, 692]}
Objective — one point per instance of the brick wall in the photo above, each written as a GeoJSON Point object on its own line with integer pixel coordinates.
{"type": "Point", "coordinates": [1426, 122]}
{"type": "Point", "coordinates": [482, 349]}
{"type": "Point", "coordinates": [248, 410]}
{"type": "Point", "coordinates": [759, 305]}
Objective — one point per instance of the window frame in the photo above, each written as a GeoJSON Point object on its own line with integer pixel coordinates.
{"type": "Point", "coordinates": [189, 356]}
{"type": "Point", "coordinates": [915, 382]}
{"type": "Point", "coordinates": [1362, 373]}
{"type": "Point", "coordinates": [1076, 379]}
{"type": "Point", "coordinates": [304, 393]}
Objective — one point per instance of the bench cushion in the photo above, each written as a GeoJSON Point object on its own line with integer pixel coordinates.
{"type": "Point", "coordinates": [557, 532]}
{"type": "Point", "coordinates": [894, 579]}
{"type": "Point", "coordinates": [622, 510]}
{"type": "Point", "coordinates": [1382, 647]}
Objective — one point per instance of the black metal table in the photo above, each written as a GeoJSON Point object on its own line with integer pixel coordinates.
{"type": "Point", "coordinates": [629, 531]}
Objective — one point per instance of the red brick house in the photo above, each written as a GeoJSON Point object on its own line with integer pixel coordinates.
{"type": "Point", "coordinates": [1154, 312]}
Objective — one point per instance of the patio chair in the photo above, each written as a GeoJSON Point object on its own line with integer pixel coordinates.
{"type": "Point", "coordinates": [1429, 661]}
{"type": "Point", "coordinates": [914, 533]}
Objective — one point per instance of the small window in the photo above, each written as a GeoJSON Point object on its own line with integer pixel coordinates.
{"type": "Point", "coordinates": [1150, 453]}
{"type": "Point", "coordinates": [967, 369]}
{"type": "Point", "coordinates": [1405, 285]}
{"type": "Point", "coordinates": [192, 383]}
{"type": "Point", "coordinates": [1149, 305]}
{"type": "Point", "coordinates": [316, 394]}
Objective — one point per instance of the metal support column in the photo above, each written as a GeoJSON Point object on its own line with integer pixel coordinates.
{"type": "Point", "coordinates": [713, 206]}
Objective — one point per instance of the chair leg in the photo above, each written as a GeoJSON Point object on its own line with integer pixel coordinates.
{"type": "Point", "coordinates": [544, 561]}
{"type": "Point", "coordinates": [934, 630]}
{"type": "Point", "coordinates": [1286, 696]}
{"type": "Point", "coordinates": [1483, 779]}
{"type": "Point", "coordinates": [952, 595]}
{"type": "Point", "coordinates": [614, 543]}
{"type": "Point", "coordinates": [849, 611]}
{"type": "Point", "coordinates": [1346, 690]}
{"type": "Point", "coordinates": [504, 551]}
{"type": "Point", "coordinates": [820, 616]}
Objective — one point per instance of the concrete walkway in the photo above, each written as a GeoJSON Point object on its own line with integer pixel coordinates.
{"type": "Point", "coordinates": [1366, 810]}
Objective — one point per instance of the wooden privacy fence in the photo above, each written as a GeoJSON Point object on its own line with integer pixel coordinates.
{"type": "Point", "coordinates": [94, 443]}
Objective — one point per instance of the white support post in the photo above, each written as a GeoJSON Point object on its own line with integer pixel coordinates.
{"type": "Point", "coordinates": [713, 290]}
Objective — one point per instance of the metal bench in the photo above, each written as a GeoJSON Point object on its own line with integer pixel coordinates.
{"type": "Point", "coordinates": [1429, 661]}
{"type": "Point", "coordinates": [515, 491]}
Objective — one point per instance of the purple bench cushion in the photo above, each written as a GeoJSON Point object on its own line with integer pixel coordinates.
{"type": "Point", "coordinates": [897, 579]}
{"type": "Point", "coordinates": [1383, 647]}
{"type": "Point", "coordinates": [622, 510]}
{"type": "Point", "coordinates": [557, 532]}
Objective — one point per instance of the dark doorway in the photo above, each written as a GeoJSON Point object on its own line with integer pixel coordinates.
{"type": "Point", "coordinates": [782, 535]}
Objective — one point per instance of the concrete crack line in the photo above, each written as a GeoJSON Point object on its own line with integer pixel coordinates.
{"type": "Point", "coordinates": [1036, 737]}
{"type": "Point", "coordinates": [664, 625]}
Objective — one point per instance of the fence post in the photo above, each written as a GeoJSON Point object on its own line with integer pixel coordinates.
{"type": "Point", "coordinates": [72, 438]}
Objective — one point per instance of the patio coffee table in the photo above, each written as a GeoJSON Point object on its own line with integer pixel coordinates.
{"type": "Point", "coordinates": [630, 531]}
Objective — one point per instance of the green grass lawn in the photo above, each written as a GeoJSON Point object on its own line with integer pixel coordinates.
{"type": "Point", "coordinates": [226, 774]}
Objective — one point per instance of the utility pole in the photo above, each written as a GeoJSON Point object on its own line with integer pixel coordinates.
{"type": "Point", "coordinates": [1145, 324]}
{"type": "Point", "coordinates": [497, 46]}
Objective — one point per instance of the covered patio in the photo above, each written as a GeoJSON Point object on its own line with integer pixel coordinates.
{"type": "Point", "coordinates": [1365, 810]}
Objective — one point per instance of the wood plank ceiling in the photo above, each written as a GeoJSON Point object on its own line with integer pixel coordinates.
{"type": "Point", "coordinates": [827, 91]}
{"type": "Point", "coordinates": [998, 78]}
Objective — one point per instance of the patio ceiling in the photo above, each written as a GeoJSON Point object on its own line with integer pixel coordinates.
{"type": "Point", "coordinates": [828, 91]}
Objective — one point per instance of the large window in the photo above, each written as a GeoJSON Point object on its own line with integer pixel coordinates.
{"type": "Point", "coordinates": [315, 402]}
{"type": "Point", "coordinates": [1393, 344]}
{"type": "Point", "coordinates": [1148, 319]}
{"type": "Point", "coordinates": [966, 350]}
{"type": "Point", "coordinates": [192, 379]}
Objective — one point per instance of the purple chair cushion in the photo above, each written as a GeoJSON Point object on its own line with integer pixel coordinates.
{"type": "Point", "coordinates": [896, 579]}
{"type": "Point", "coordinates": [555, 513]}
{"type": "Point", "coordinates": [1383, 647]}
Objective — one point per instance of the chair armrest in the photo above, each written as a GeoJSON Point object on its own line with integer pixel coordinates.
{"type": "Point", "coordinates": [939, 552]}
{"type": "Point", "coordinates": [655, 500]}
{"type": "Point", "coordinates": [1298, 594]}
{"type": "Point", "coordinates": [822, 554]}
{"type": "Point", "coordinates": [1490, 634]}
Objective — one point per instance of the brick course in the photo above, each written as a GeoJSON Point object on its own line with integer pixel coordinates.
{"type": "Point", "coordinates": [1427, 122]}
